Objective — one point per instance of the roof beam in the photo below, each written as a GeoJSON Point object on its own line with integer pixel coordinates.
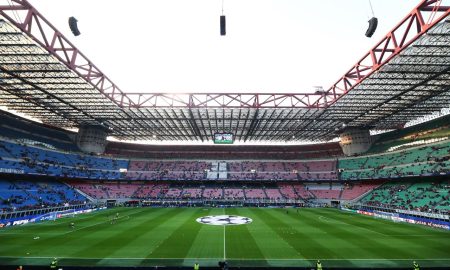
{"type": "Point", "coordinates": [412, 27]}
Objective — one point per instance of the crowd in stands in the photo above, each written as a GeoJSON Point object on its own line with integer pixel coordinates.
{"type": "Point", "coordinates": [236, 170]}
{"type": "Point", "coordinates": [162, 190]}
{"type": "Point", "coordinates": [167, 170]}
{"type": "Point", "coordinates": [25, 195]}
{"type": "Point", "coordinates": [31, 148]}
{"type": "Point", "coordinates": [228, 191]}
{"type": "Point", "coordinates": [426, 160]}
{"type": "Point", "coordinates": [19, 158]}
{"type": "Point", "coordinates": [430, 196]}
{"type": "Point", "coordinates": [422, 196]}
{"type": "Point", "coordinates": [24, 159]}
{"type": "Point", "coordinates": [421, 161]}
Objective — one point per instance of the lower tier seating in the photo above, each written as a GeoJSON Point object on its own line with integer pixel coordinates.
{"type": "Point", "coordinates": [25, 195]}
{"type": "Point", "coordinates": [424, 196]}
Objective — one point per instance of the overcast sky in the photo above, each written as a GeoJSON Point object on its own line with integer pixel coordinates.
{"type": "Point", "coordinates": [270, 46]}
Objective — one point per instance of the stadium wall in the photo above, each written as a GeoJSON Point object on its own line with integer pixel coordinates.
{"type": "Point", "coordinates": [33, 218]}
{"type": "Point", "coordinates": [400, 217]}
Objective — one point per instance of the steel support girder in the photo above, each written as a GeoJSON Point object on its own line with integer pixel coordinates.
{"type": "Point", "coordinates": [222, 100]}
{"type": "Point", "coordinates": [407, 31]}
{"type": "Point", "coordinates": [37, 27]}
{"type": "Point", "coordinates": [424, 16]}
{"type": "Point", "coordinates": [46, 35]}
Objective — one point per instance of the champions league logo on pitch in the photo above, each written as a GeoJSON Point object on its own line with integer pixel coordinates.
{"type": "Point", "coordinates": [224, 220]}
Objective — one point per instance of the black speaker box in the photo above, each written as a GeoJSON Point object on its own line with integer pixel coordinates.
{"type": "Point", "coordinates": [373, 23]}
{"type": "Point", "coordinates": [223, 30]}
{"type": "Point", "coordinates": [73, 26]}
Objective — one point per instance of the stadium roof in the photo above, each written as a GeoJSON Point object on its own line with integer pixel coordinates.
{"type": "Point", "coordinates": [403, 77]}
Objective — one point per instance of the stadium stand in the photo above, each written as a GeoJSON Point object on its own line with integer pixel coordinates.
{"type": "Point", "coordinates": [424, 160]}
{"type": "Point", "coordinates": [429, 196]}
{"type": "Point", "coordinates": [401, 80]}
{"type": "Point", "coordinates": [45, 154]}
{"type": "Point", "coordinates": [25, 159]}
{"type": "Point", "coordinates": [167, 170]}
{"type": "Point", "coordinates": [324, 190]}
{"type": "Point", "coordinates": [179, 190]}
{"type": "Point", "coordinates": [29, 132]}
{"type": "Point", "coordinates": [288, 191]}
{"type": "Point", "coordinates": [24, 195]}
{"type": "Point", "coordinates": [237, 170]}
{"type": "Point", "coordinates": [353, 191]}
{"type": "Point", "coordinates": [213, 193]}
{"type": "Point", "coordinates": [229, 152]}
{"type": "Point", "coordinates": [192, 193]}
{"type": "Point", "coordinates": [36, 159]}
{"type": "Point", "coordinates": [273, 193]}
{"type": "Point", "coordinates": [416, 135]}
{"type": "Point", "coordinates": [255, 193]}
{"type": "Point", "coordinates": [301, 190]}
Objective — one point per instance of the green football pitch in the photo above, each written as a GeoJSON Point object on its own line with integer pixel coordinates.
{"type": "Point", "coordinates": [275, 237]}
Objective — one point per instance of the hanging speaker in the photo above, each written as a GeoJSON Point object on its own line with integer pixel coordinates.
{"type": "Point", "coordinates": [73, 26]}
{"type": "Point", "coordinates": [223, 30]}
{"type": "Point", "coordinates": [373, 23]}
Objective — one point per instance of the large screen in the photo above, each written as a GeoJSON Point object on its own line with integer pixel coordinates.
{"type": "Point", "coordinates": [223, 138]}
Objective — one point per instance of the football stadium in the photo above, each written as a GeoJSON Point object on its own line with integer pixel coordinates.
{"type": "Point", "coordinates": [353, 175]}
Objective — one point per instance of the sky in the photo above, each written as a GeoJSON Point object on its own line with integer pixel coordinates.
{"type": "Point", "coordinates": [174, 46]}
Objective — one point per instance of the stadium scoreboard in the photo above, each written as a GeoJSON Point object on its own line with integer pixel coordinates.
{"type": "Point", "coordinates": [223, 138]}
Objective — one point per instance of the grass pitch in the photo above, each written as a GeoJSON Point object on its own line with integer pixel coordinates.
{"type": "Point", "coordinates": [172, 237]}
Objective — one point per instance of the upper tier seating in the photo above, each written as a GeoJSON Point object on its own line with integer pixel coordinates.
{"type": "Point", "coordinates": [422, 161]}
{"type": "Point", "coordinates": [230, 152]}
{"type": "Point", "coordinates": [28, 131]}
{"type": "Point", "coordinates": [237, 170]}
{"type": "Point", "coordinates": [19, 158]}
{"type": "Point", "coordinates": [167, 170]}
{"type": "Point", "coordinates": [417, 134]}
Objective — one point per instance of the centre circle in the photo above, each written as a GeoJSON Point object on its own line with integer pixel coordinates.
{"type": "Point", "coordinates": [224, 220]}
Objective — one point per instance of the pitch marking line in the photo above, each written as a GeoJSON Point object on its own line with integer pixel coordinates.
{"type": "Point", "coordinates": [242, 259]}
{"type": "Point", "coordinates": [224, 245]}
